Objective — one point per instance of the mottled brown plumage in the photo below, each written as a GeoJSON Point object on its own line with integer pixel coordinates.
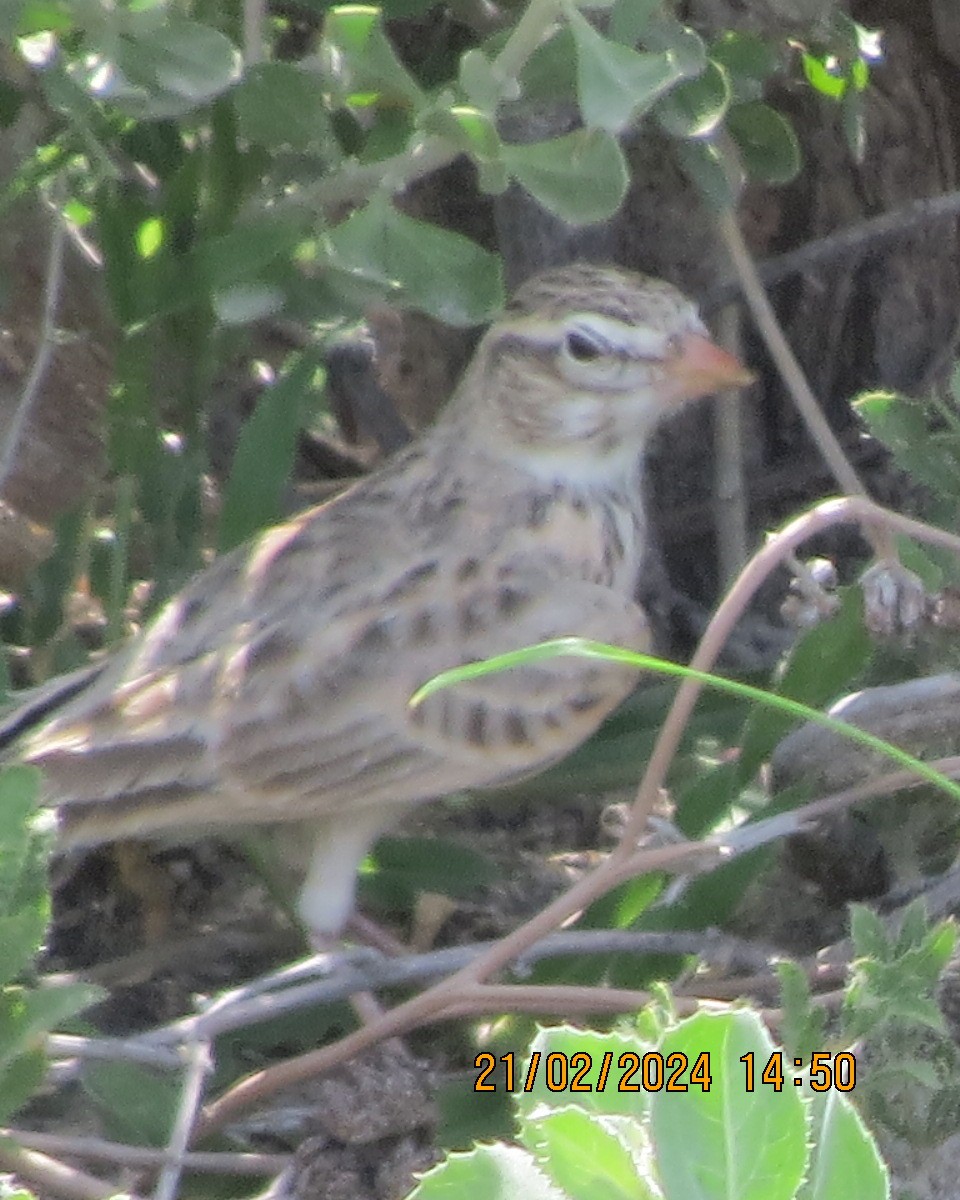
{"type": "Point", "coordinates": [276, 685]}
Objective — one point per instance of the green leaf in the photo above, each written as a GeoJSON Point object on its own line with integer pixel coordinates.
{"type": "Point", "coordinates": [584, 1156]}
{"type": "Point", "coordinates": [21, 1079]}
{"type": "Point", "coordinates": [238, 255]}
{"type": "Point", "coordinates": [401, 868]}
{"type": "Point", "coordinates": [188, 59]}
{"type": "Point", "coordinates": [264, 456]}
{"type": "Point", "coordinates": [844, 1159]}
{"type": "Point", "coordinates": [902, 426]}
{"type": "Point", "coordinates": [803, 1026]}
{"type": "Point", "coordinates": [755, 1142]}
{"type": "Point", "coordinates": [27, 1016]}
{"type": "Point", "coordinates": [550, 73]}
{"type": "Point", "coordinates": [441, 273]}
{"type": "Point", "coordinates": [479, 81]}
{"type": "Point", "coordinates": [492, 178]}
{"type": "Point", "coordinates": [825, 75]}
{"type": "Point", "coordinates": [280, 105]}
{"type": "Point", "coordinates": [471, 130]}
{"type": "Point", "coordinates": [767, 142]}
{"type": "Point", "coordinates": [139, 1104]}
{"type": "Point", "coordinates": [245, 302]}
{"type": "Point", "coordinates": [914, 928]}
{"type": "Point", "coordinates": [820, 665]}
{"type": "Point", "coordinates": [29, 17]}
{"type": "Point", "coordinates": [19, 795]}
{"type": "Point", "coordinates": [362, 60]}
{"type": "Point", "coordinates": [696, 107]}
{"type": "Point", "coordinates": [749, 61]}
{"type": "Point", "coordinates": [586, 648]}
{"type": "Point", "coordinates": [714, 175]}
{"type": "Point", "coordinates": [169, 71]}
{"type": "Point", "coordinates": [21, 936]}
{"type": "Point", "coordinates": [615, 84]}
{"type": "Point", "coordinates": [175, 282]}
{"type": "Point", "coordinates": [629, 19]}
{"type": "Point", "coordinates": [486, 1173]}
{"type": "Point", "coordinates": [939, 943]}
{"type": "Point", "coordinates": [555, 172]}
{"type": "Point", "coordinates": [869, 936]}
{"type": "Point", "coordinates": [664, 33]}
{"type": "Point", "coordinates": [605, 1094]}
{"type": "Point", "coordinates": [933, 564]}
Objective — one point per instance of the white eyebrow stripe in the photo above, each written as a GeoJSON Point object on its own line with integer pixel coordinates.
{"type": "Point", "coordinates": [616, 337]}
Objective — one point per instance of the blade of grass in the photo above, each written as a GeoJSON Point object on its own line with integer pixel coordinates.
{"type": "Point", "coordinates": [575, 647]}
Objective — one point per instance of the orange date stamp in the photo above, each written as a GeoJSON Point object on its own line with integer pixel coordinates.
{"type": "Point", "coordinates": [656, 1072]}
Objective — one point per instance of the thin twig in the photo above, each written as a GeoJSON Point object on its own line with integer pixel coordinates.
{"type": "Point", "coordinates": [206, 1162]}
{"type": "Point", "coordinates": [729, 492]}
{"type": "Point", "coordinates": [52, 1178]}
{"type": "Point", "coordinates": [65, 1045]}
{"type": "Point", "coordinates": [791, 371]}
{"type": "Point", "coordinates": [199, 1067]}
{"type": "Point", "coordinates": [792, 374]}
{"type": "Point", "coordinates": [312, 982]}
{"type": "Point", "coordinates": [44, 351]}
{"type": "Point", "coordinates": [865, 237]}
{"type": "Point", "coordinates": [254, 43]}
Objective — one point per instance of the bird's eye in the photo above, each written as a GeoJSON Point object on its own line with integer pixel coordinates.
{"type": "Point", "coordinates": [674, 345]}
{"type": "Point", "coordinates": [581, 348]}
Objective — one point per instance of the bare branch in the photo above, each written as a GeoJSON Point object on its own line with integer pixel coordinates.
{"type": "Point", "coordinates": [45, 347]}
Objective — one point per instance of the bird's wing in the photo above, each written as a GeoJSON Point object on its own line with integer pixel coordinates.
{"type": "Point", "coordinates": [326, 725]}
{"type": "Point", "coordinates": [307, 720]}
{"type": "Point", "coordinates": [277, 685]}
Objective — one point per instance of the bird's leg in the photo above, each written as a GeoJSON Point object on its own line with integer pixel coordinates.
{"type": "Point", "coordinates": [326, 900]}
{"type": "Point", "coordinates": [327, 897]}
{"type": "Point", "coordinates": [149, 884]}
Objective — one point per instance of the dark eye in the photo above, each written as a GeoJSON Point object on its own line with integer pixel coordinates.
{"type": "Point", "coordinates": [581, 349]}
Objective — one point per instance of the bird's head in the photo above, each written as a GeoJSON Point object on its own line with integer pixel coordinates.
{"type": "Point", "coordinates": [585, 361]}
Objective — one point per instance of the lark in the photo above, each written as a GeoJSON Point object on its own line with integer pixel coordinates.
{"type": "Point", "coordinates": [276, 686]}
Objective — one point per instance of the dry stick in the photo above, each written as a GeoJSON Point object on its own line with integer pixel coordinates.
{"type": "Point", "coordinates": [44, 352]}
{"type": "Point", "coordinates": [452, 992]}
{"type": "Point", "coordinates": [862, 238]}
{"type": "Point", "coordinates": [558, 998]}
{"type": "Point", "coordinates": [793, 376]}
{"type": "Point", "coordinates": [212, 1162]}
{"type": "Point", "coordinates": [52, 1178]}
{"type": "Point", "coordinates": [254, 27]}
{"type": "Point", "coordinates": [769, 829]}
{"type": "Point", "coordinates": [623, 862]}
{"type": "Point", "coordinates": [199, 1065]}
{"type": "Point", "coordinates": [729, 493]}
{"type": "Point", "coordinates": [306, 986]}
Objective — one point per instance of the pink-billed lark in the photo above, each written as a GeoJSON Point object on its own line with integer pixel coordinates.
{"type": "Point", "coordinates": [276, 686]}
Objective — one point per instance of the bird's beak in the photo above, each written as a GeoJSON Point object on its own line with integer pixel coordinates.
{"type": "Point", "coordinates": [703, 367]}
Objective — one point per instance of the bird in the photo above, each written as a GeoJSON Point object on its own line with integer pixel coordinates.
{"type": "Point", "coordinates": [276, 686]}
